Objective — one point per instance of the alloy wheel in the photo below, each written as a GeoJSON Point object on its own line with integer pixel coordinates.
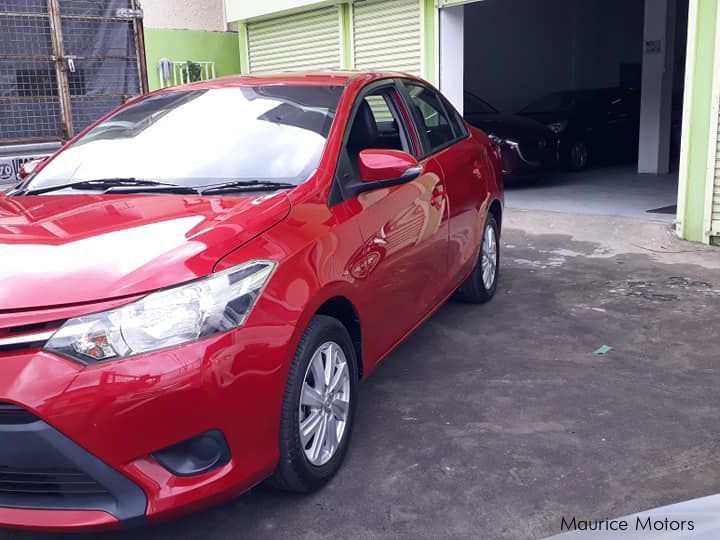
{"type": "Point", "coordinates": [579, 156]}
{"type": "Point", "coordinates": [489, 258]}
{"type": "Point", "coordinates": [324, 403]}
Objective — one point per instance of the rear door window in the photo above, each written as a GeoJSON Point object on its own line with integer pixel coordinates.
{"type": "Point", "coordinates": [456, 120]}
{"type": "Point", "coordinates": [431, 114]}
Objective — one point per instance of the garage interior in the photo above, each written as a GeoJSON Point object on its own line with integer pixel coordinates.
{"type": "Point", "coordinates": [518, 51]}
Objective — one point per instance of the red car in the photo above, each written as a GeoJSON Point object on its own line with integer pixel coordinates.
{"type": "Point", "coordinates": [191, 289]}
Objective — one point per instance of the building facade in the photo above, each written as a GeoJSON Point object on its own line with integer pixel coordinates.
{"type": "Point", "coordinates": [428, 37]}
{"type": "Point", "coordinates": [184, 31]}
{"type": "Point", "coordinates": [699, 181]}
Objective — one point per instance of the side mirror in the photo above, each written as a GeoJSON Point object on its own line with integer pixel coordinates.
{"type": "Point", "coordinates": [380, 168]}
{"type": "Point", "coordinates": [379, 165]}
{"type": "Point", "coordinates": [27, 168]}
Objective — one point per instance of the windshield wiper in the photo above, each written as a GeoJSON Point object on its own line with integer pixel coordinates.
{"type": "Point", "coordinates": [134, 185]}
{"type": "Point", "coordinates": [245, 185]}
{"type": "Point", "coordinates": [106, 185]}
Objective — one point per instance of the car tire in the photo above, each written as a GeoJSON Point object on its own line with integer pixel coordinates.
{"type": "Point", "coordinates": [480, 287]}
{"type": "Point", "coordinates": [299, 469]}
{"type": "Point", "coordinates": [578, 157]}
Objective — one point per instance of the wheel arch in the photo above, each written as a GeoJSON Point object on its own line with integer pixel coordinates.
{"type": "Point", "coordinates": [496, 211]}
{"type": "Point", "coordinates": [342, 309]}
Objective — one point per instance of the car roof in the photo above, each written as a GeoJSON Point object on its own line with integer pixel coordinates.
{"type": "Point", "coordinates": [317, 78]}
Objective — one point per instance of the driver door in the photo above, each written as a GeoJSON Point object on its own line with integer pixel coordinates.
{"type": "Point", "coordinates": [403, 263]}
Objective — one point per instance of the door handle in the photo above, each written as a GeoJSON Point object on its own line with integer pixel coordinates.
{"type": "Point", "coordinates": [477, 174]}
{"type": "Point", "coordinates": [438, 196]}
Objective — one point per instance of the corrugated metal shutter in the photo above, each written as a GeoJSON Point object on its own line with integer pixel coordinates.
{"type": "Point", "coordinates": [305, 41]}
{"type": "Point", "coordinates": [387, 35]}
{"type": "Point", "coordinates": [450, 3]}
{"type": "Point", "coordinates": [715, 227]}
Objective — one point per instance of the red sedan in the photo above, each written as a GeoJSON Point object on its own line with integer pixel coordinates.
{"type": "Point", "coordinates": [191, 289]}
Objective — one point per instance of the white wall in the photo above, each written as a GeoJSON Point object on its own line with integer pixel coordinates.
{"type": "Point", "coordinates": [519, 50]}
{"type": "Point", "coordinates": [657, 87]}
{"type": "Point", "coordinates": [239, 10]}
{"type": "Point", "coordinates": [185, 14]}
{"type": "Point", "coordinates": [451, 54]}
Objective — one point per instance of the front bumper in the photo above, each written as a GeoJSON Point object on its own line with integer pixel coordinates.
{"type": "Point", "coordinates": [517, 163]}
{"type": "Point", "coordinates": [43, 470]}
{"type": "Point", "coordinates": [86, 435]}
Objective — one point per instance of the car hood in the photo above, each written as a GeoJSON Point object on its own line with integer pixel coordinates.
{"type": "Point", "coordinates": [68, 249]}
{"type": "Point", "coordinates": [508, 126]}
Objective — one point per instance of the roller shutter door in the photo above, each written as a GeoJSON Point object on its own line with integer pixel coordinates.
{"type": "Point", "coordinates": [715, 228]}
{"type": "Point", "coordinates": [305, 41]}
{"type": "Point", "coordinates": [387, 35]}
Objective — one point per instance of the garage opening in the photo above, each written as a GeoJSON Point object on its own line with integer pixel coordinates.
{"type": "Point", "coordinates": [584, 97]}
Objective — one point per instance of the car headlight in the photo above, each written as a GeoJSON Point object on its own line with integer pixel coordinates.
{"type": "Point", "coordinates": [503, 142]}
{"type": "Point", "coordinates": [166, 318]}
{"type": "Point", "coordinates": [496, 145]}
{"type": "Point", "coordinates": [558, 127]}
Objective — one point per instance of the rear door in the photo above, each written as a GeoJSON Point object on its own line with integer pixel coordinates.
{"type": "Point", "coordinates": [465, 169]}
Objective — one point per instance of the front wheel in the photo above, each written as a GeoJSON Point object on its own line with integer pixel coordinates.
{"type": "Point", "coordinates": [318, 408]}
{"type": "Point", "coordinates": [480, 287]}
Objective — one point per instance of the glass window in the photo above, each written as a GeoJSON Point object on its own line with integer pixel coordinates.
{"type": "Point", "coordinates": [430, 110]}
{"type": "Point", "coordinates": [456, 120]}
{"type": "Point", "coordinates": [376, 125]}
{"type": "Point", "coordinates": [203, 137]}
{"type": "Point", "coordinates": [475, 105]}
{"type": "Point", "coordinates": [380, 109]}
{"type": "Point", "coordinates": [557, 102]}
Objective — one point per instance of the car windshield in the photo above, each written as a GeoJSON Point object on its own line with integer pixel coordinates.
{"type": "Point", "coordinates": [475, 105]}
{"type": "Point", "coordinates": [203, 137]}
{"type": "Point", "coordinates": [564, 101]}
{"type": "Point", "coordinates": [558, 102]}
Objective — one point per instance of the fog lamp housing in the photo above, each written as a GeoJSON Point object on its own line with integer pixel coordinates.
{"type": "Point", "coordinates": [200, 454]}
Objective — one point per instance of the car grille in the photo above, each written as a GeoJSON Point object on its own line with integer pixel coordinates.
{"type": "Point", "coordinates": [13, 415]}
{"type": "Point", "coordinates": [23, 483]}
{"type": "Point", "coordinates": [55, 483]}
{"type": "Point", "coordinates": [40, 468]}
{"type": "Point", "coordinates": [28, 336]}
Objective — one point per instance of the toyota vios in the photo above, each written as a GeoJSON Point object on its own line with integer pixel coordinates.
{"type": "Point", "coordinates": [191, 289]}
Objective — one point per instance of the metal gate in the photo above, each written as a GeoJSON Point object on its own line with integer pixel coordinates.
{"type": "Point", "coordinates": [65, 63]}
{"type": "Point", "coordinates": [387, 35]}
{"type": "Point", "coordinates": [303, 41]}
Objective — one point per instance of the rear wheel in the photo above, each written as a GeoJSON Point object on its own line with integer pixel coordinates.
{"type": "Point", "coordinates": [579, 156]}
{"type": "Point", "coordinates": [480, 287]}
{"type": "Point", "coordinates": [319, 407]}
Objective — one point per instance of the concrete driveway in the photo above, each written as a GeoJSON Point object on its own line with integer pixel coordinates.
{"type": "Point", "coordinates": [613, 191]}
{"type": "Point", "coordinates": [494, 421]}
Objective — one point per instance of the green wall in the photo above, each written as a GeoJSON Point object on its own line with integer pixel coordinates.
{"type": "Point", "coordinates": [692, 215]}
{"type": "Point", "coordinates": [430, 38]}
{"type": "Point", "coordinates": [196, 45]}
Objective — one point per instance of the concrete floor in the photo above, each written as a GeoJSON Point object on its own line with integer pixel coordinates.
{"type": "Point", "coordinates": [494, 421]}
{"type": "Point", "coordinates": [614, 191]}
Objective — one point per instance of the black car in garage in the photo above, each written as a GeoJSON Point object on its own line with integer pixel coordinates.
{"type": "Point", "coordinates": [528, 147]}
{"type": "Point", "coordinates": [594, 126]}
